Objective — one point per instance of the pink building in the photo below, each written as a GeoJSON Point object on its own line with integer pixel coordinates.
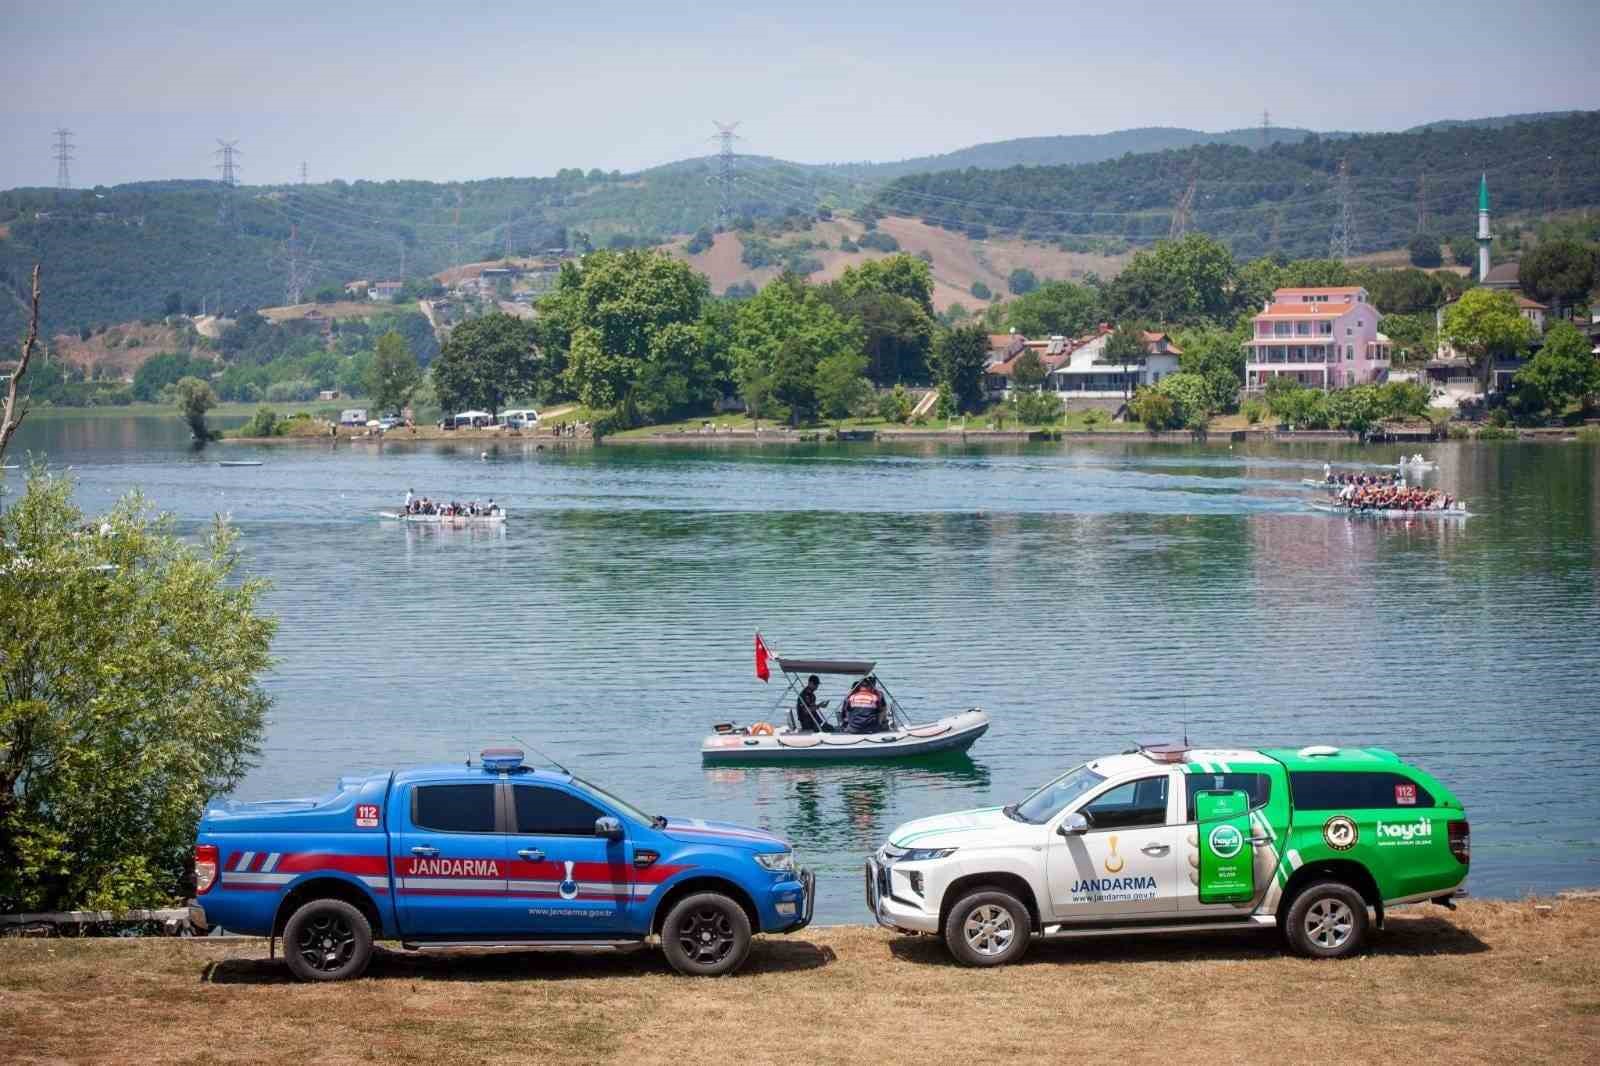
{"type": "Point", "coordinates": [1327, 338]}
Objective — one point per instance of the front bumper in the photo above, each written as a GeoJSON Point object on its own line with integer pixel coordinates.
{"type": "Point", "coordinates": [891, 910]}
{"type": "Point", "coordinates": [795, 913]}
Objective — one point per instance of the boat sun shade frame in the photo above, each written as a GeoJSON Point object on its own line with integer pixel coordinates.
{"type": "Point", "coordinates": [797, 669]}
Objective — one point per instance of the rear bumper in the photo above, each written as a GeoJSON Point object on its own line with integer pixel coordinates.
{"type": "Point", "coordinates": [197, 917]}
{"type": "Point", "coordinates": [890, 910]}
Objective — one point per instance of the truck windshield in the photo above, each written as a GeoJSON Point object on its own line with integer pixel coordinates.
{"type": "Point", "coordinates": [626, 809]}
{"type": "Point", "coordinates": [1046, 803]}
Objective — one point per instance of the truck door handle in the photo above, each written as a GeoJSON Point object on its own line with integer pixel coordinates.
{"type": "Point", "coordinates": [531, 854]}
{"type": "Point", "coordinates": [1257, 841]}
{"type": "Point", "coordinates": [1155, 850]}
{"type": "Point", "coordinates": [424, 851]}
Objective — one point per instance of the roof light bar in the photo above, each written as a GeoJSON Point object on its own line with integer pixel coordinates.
{"type": "Point", "coordinates": [501, 760]}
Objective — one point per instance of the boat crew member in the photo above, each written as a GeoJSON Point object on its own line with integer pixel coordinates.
{"type": "Point", "coordinates": [863, 708]}
{"type": "Point", "coordinates": [806, 708]}
{"type": "Point", "coordinates": [409, 498]}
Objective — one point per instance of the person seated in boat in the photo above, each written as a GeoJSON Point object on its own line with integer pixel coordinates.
{"type": "Point", "coordinates": [491, 509]}
{"type": "Point", "coordinates": [808, 711]}
{"type": "Point", "coordinates": [864, 707]}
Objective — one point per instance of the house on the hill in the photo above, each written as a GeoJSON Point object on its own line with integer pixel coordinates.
{"type": "Point", "coordinates": [1076, 367]}
{"type": "Point", "coordinates": [384, 290]}
{"type": "Point", "coordinates": [1324, 338]}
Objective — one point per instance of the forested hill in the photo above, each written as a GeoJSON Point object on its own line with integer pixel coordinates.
{"type": "Point", "coordinates": [1071, 149]}
{"type": "Point", "coordinates": [1284, 199]}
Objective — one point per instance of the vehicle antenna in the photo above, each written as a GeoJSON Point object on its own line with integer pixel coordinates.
{"type": "Point", "coordinates": [543, 756]}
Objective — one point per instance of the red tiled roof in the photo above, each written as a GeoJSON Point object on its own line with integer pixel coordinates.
{"type": "Point", "coordinates": [1523, 301]}
{"type": "Point", "coordinates": [1320, 290]}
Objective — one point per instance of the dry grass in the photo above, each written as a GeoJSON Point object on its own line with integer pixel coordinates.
{"type": "Point", "coordinates": [1492, 983]}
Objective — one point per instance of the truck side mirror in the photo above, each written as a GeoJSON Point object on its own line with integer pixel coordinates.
{"type": "Point", "coordinates": [608, 827]}
{"type": "Point", "coordinates": [1072, 825]}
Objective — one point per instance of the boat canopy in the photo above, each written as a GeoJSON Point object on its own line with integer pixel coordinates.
{"type": "Point", "coordinates": [855, 667]}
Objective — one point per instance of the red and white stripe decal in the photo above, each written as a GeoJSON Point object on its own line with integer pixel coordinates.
{"type": "Point", "coordinates": [262, 870]}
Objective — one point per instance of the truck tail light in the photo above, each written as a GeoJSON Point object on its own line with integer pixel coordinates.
{"type": "Point", "coordinates": [1461, 841]}
{"type": "Point", "coordinates": [207, 865]}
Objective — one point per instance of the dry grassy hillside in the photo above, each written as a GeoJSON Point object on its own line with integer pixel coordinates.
{"type": "Point", "coordinates": [958, 261]}
{"type": "Point", "coordinates": [120, 350]}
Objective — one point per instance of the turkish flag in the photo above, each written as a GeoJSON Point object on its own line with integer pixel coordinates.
{"type": "Point", "coordinates": [761, 659]}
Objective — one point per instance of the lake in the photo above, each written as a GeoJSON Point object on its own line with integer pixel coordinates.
{"type": "Point", "coordinates": [1089, 596]}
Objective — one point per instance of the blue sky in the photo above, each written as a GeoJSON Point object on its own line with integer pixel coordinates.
{"type": "Point", "coordinates": [469, 90]}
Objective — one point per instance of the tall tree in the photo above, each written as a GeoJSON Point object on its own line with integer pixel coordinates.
{"type": "Point", "coordinates": [1125, 349]}
{"type": "Point", "coordinates": [1560, 272]}
{"type": "Point", "coordinates": [891, 299]}
{"type": "Point", "coordinates": [637, 347]}
{"type": "Point", "coordinates": [780, 335]}
{"type": "Point", "coordinates": [959, 355]}
{"type": "Point", "coordinates": [1027, 371]}
{"type": "Point", "coordinates": [1485, 325]}
{"type": "Point", "coordinates": [393, 375]}
{"type": "Point", "coordinates": [195, 398]}
{"type": "Point", "coordinates": [1185, 282]}
{"type": "Point", "coordinates": [1056, 308]}
{"type": "Point", "coordinates": [132, 664]}
{"type": "Point", "coordinates": [1563, 370]}
{"type": "Point", "coordinates": [485, 362]}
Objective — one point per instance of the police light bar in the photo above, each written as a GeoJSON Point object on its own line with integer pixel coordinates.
{"type": "Point", "coordinates": [501, 760]}
{"type": "Point", "coordinates": [1165, 753]}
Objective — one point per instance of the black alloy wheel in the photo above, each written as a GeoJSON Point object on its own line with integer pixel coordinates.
{"type": "Point", "coordinates": [327, 940]}
{"type": "Point", "coordinates": [706, 935]}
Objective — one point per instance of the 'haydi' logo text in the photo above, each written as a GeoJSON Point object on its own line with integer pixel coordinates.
{"type": "Point", "coordinates": [1418, 832]}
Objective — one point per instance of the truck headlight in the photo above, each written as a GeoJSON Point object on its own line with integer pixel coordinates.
{"type": "Point", "coordinates": [924, 854]}
{"type": "Point", "coordinates": [777, 861]}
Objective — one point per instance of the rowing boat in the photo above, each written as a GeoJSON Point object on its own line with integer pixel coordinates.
{"type": "Point", "coordinates": [1427, 512]}
{"type": "Point", "coordinates": [444, 519]}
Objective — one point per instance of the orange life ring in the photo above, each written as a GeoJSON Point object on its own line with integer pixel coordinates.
{"type": "Point", "coordinates": [761, 729]}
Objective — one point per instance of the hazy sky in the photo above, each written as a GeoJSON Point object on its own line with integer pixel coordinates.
{"type": "Point", "coordinates": [464, 89]}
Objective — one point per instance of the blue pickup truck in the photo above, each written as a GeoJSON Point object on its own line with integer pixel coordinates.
{"type": "Point", "coordinates": [493, 853]}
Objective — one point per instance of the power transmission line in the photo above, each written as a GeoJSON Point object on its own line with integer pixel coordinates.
{"type": "Point", "coordinates": [227, 152]}
{"type": "Point", "coordinates": [1266, 125]}
{"type": "Point", "coordinates": [1344, 222]}
{"type": "Point", "coordinates": [63, 157]}
{"type": "Point", "coordinates": [1180, 215]}
{"type": "Point", "coordinates": [302, 172]}
{"type": "Point", "coordinates": [724, 176]}
{"type": "Point", "coordinates": [300, 267]}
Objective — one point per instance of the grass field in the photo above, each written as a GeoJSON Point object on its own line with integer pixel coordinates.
{"type": "Point", "coordinates": [1490, 983]}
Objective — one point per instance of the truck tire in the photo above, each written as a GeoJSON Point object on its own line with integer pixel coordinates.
{"type": "Point", "coordinates": [989, 927]}
{"type": "Point", "coordinates": [327, 940]}
{"type": "Point", "coordinates": [706, 935]}
{"type": "Point", "coordinates": [1327, 920]}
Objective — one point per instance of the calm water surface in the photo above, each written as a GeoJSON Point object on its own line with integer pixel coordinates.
{"type": "Point", "coordinates": [1087, 596]}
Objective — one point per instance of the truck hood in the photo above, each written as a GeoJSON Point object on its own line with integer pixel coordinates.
{"type": "Point", "coordinates": [979, 827]}
{"type": "Point", "coordinates": [700, 831]}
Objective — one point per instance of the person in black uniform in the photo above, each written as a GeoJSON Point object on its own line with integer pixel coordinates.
{"type": "Point", "coordinates": [807, 711]}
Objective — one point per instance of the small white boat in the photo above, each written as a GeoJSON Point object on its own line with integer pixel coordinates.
{"type": "Point", "coordinates": [1457, 511]}
{"type": "Point", "coordinates": [444, 519]}
{"type": "Point", "coordinates": [239, 462]}
{"type": "Point", "coordinates": [763, 743]}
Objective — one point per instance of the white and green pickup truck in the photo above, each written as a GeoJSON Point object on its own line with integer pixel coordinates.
{"type": "Point", "coordinates": [1316, 842]}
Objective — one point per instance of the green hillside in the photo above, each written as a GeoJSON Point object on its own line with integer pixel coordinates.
{"type": "Point", "coordinates": [1284, 199]}
{"type": "Point", "coordinates": [1073, 149]}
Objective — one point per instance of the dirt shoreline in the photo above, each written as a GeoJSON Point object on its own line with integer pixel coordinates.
{"type": "Point", "coordinates": [1492, 982]}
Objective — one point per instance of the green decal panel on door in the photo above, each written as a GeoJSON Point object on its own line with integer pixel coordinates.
{"type": "Point", "coordinates": [1227, 867]}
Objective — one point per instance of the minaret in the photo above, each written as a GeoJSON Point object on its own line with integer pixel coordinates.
{"type": "Point", "coordinates": [1483, 227]}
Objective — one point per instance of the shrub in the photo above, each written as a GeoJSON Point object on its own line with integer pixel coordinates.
{"type": "Point", "coordinates": [895, 406]}
{"type": "Point", "coordinates": [1093, 418]}
{"type": "Point", "coordinates": [1154, 408]}
{"type": "Point", "coordinates": [296, 391]}
{"type": "Point", "coordinates": [945, 406]}
{"type": "Point", "coordinates": [880, 242]}
{"type": "Point", "coordinates": [1037, 408]}
{"type": "Point", "coordinates": [980, 290]}
{"type": "Point", "coordinates": [264, 423]}
{"type": "Point", "coordinates": [1253, 410]}
{"type": "Point", "coordinates": [1424, 250]}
